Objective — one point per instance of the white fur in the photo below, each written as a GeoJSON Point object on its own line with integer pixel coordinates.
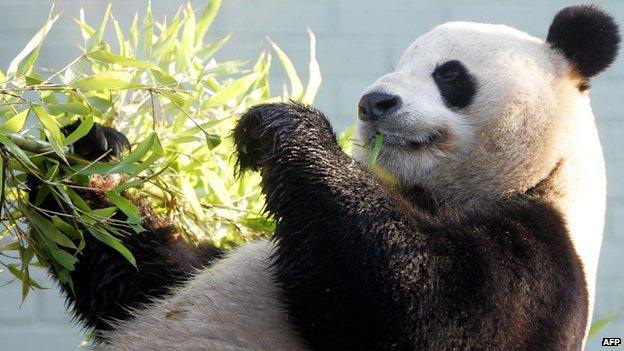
{"type": "Point", "coordinates": [234, 305]}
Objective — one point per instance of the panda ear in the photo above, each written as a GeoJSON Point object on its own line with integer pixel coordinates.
{"type": "Point", "coordinates": [587, 36]}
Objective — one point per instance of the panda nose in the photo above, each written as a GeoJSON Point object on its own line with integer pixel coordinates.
{"type": "Point", "coordinates": [373, 106]}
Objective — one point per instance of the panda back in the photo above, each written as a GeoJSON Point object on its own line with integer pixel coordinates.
{"type": "Point", "coordinates": [233, 305]}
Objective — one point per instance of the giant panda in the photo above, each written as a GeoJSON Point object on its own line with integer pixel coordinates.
{"type": "Point", "coordinates": [486, 239]}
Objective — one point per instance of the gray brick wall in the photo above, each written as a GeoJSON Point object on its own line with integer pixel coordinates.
{"type": "Point", "coordinates": [357, 42]}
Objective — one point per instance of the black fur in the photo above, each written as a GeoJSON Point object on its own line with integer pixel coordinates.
{"type": "Point", "coordinates": [587, 36]}
{"type": "Point", "coordinates": [106, 285]}
{"type": "Point", "coordinates": [98, 142]}
{"type": "Point", "coordinates": [364, 268]}
{"type": "Point", "coordinates": [457, 86]}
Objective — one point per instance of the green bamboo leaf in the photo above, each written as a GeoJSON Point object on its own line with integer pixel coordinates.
{"type": "Point", "coordinates": [15, 123]}
{"type": "Point", "coordinates": [70, 108]}
{"type": "Point", "coordinates": [136, 155]}
{"type": "Point", "coordinates": [233, 90]}
{"type": "Point", "coordinates": [376, 149]}
{"type": "Point", "coordinates": [213, 140]}
{"type": "Point", "coordinates": [205, 20]}
{"type": "Point", "coordinates": [67, 228]}
{"type": "Point", "coordinates": [168, 38]}
{"type": "Point", "coordinates": [164, 78]}
{"type": "Point", "coordinates": [121, 41]}
{"type": "Point", "coordinates": [187, 40]}
{"type": "Point", "coordinates": [259, 224]}
{"type": "Point", "coordinates": [146, 35]}
{"type": "Point", "coordinates": [109, 57]}
{"type": "Point", "coordinates": [51, 129]}
{"type": "Point", "coordinates": [190, 197]}
{"type": "Point", "coordinates": [296, 88]}
{"type": "Point", "coordinates": [63, 258]}
{"type": "Point", "coordinates": [85, 29]}
{"type": "Point", "coordinates": [11, 246]}
{"type": "Point", "coordinates": [24, 61]}
{"type": "Point", "coordinates": [96, 38]}
{"type": "Point", "coordinates": [17, 152]}
{"type": "Point", "coordinates": [48, 230]}
{"type": "Point", "coordinates": [110, 80]}
{"type": "Point", "coordinates": [103, 236]}
{"type": "Point", "coordinates": [106, 212]}
{"type": "Point", "coordinates": [600, 324]}
{"type": "Point", "coordinates": [209, 50]}
{"type": "Point", "coordinates": [83, 129]}
{"type": "Point", "coordinates": [217, 186]}
{"type": "Point", "coordinates": [315, 79]}
{"type": "Point", "coordinates": [134, 31]}
{"type": "Point", "coordinates": [75, 199]}
{"type": "Point", "coordinates": [126, 206]}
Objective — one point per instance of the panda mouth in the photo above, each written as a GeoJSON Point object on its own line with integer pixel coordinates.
{"type": "Point", "coordinates": [417, 143]}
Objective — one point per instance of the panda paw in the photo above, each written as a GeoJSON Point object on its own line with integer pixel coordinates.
{"type": "Point", "coordinates": [101, 142]}
{"type": "Point", "coordinates": [267, 128]}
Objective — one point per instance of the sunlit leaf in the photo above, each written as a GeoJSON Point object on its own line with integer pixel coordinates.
{"type": "Point", "coordinates": [233, 90]}
{"type": "Point", "coordinates": [205, 20]}
{"type": "Point", "coordinates": [296, 87]}
{"type": "Point", "coordinates": [24, 61]}
{"type": "Point", "coordinates": [52, 130]}
{"type": "Point", "coordinates": [96, 38]}
{"type": "Point", "coordinates": [15, 123]}
{"type": "Point", "coordinates": [106, 81]}
{"type": "Point", "coordinates": [315, 79]}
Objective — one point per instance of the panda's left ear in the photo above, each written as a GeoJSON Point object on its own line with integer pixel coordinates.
{"type": "Point", "coordinates": [587, 36]}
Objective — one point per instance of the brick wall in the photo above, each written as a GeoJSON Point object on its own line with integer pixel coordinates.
{"type": "Point", "coordinates": [358, 40]}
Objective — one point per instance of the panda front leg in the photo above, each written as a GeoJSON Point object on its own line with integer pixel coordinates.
{"type": "Point", "coordinates": [362, 269]}
{"type": "Point", "coordinates": [106, 287]}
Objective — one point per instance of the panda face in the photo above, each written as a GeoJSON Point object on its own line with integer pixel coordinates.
{"type": "Point", "coordinates": [471, 108]}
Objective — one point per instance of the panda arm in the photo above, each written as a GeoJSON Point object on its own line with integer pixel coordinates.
{"type": "Point", "coordinates": [363, 269]}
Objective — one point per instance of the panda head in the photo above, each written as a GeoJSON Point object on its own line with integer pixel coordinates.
{"type": "Point", "coordinates": [486, 110]}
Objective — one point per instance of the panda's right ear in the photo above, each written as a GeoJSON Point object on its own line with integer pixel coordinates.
{"type": "Point", "coordinates": [587, 36]}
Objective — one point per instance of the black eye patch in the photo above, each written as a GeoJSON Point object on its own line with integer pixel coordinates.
{"type": "Point", "coordinates": [457, 86]}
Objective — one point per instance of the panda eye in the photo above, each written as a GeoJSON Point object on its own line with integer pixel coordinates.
{"type": "Point", "coordinates": [455, 83]}
{"type": "Point", "coordinates": [448, 76]}
{"type": "Point", "coordinates": [449, 71]}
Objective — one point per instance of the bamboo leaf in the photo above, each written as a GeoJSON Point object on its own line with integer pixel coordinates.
{"type": "Point", "coordinates": [52, 130]}
{"type": "Point", "coordinates": [125, 205]}
{"type": "Point", "coordinates": [110, 80]}
{"type": "Point", "coordinates": [121, 41]}
{"type": "Point", "coordinates": [376, 149]}
{"type": "Point", "coordinates": [63, 258]}
{"type": "Point", "coordinates": [233, 90]}
{"type": "Point", "coordinates": [109, 57]}
{"type": "Point", "coordinates": [15, 123]}
{"type": "Point", "coordinates": [296, 88]}
{"type": "Point", "coordinates": [146, 35]}
{"type": "Point", "coordinates": [205, 20]}
{"type": "Point", "coordinates": [188, 31]}
{"type": "Point", "coordinates": [83, 129]}
{"type": "Point", "coordinates": [24, 61]}
{"type": "Point", "coordinates": [96, 38]}
{"type": "Point", "coordinates": [315, 79]}
{"type": "Point", "coordinates": [209, 50]}
{"type": "Point", "coordinates": [103, 236]}
{"type": "Point", "coordinates": [17, 152]}
{"type": "Point", "coordinates": [49, 231]}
